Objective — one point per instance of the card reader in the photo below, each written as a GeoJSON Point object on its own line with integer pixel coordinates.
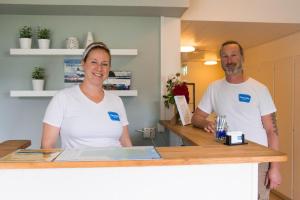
{"type": "Point", "coordinates": [234, 138]}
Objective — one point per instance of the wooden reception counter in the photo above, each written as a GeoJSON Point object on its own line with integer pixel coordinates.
{"type": "Point", "coordinates": [11, 145]}
{"type": "Point", "coordinates": [208, 152]}
{"type": "Point", "coordinates": [209, 170]}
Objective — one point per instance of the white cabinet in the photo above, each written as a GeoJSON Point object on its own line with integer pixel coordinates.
{"type": "Point", "coordinates": [66, 52]}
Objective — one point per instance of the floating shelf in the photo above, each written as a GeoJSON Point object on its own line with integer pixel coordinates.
{"type": "Point", "coordinates": [75, 52]}
{"type": "Point", "coordinates": [50, 93]}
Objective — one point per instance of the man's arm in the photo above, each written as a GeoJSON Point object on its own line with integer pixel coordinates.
{"type": "Point", "coordinates": [199, 120]}
{"type": "Point", "coordinates": [270, 125]}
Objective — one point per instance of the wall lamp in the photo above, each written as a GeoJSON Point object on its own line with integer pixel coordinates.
{"type": "Point", "coordinates": [187, 49]}
{"type": "Point", "coordinates": [210, 62]}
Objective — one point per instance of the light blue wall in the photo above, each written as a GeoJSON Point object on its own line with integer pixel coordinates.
{"type": "Point", "coordinates": [21, 118]}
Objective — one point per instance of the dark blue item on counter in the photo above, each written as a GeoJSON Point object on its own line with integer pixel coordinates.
{"type": "Point", "coordinates": [220, 135]}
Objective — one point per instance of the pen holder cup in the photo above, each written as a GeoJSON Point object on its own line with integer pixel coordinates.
{"type": "Point", "coordinates": [221, 135]}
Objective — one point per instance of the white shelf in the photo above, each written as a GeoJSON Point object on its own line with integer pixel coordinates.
{"type": "Point", "coordinates": [75, 52]}
{"type": "Point", "coordinates": [50, 93]}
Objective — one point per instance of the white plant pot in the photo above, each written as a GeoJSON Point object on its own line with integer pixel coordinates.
{"type": "Point", "coordinates": [44, 43]}
{"type": "Point", "coordinates": [38, 84]}
{"type": "Point", "coordinates": [25, 43]}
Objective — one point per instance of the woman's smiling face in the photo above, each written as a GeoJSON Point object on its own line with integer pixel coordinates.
{"type": "Point", "coordinates": [96, 66]}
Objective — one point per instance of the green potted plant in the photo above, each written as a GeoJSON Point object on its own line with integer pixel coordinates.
{"type": "Point", "coordinates": [38, 76]}
{"type": "Point", "coordinates": [43, 36]}
{"type": "Point", "coordinates": [25, 37]}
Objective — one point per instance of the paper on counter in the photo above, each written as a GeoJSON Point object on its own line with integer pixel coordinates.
{"type": "Point", "coordinates": [31, 155]}
{"type": "Point", "coordinates": [109, 153]}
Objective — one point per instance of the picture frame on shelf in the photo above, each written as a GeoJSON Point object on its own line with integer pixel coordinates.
{"type": "Point", "coordinates": [73, 71]}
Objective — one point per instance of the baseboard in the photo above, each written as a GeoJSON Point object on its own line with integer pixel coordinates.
{"type": "Point", "coordinates": [280, 195]}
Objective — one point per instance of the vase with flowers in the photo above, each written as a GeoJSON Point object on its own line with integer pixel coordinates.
{"type": "Point", "coordinates": [175, 87]}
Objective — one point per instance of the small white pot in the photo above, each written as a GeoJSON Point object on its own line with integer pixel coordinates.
{"type": "Point", "coordinates": [44, 43]}
{"type": "Point", "coordinates": [38, 84]}
{"type": "Point", "coordinates": [72, 43]}
{"type": "Point", "coordinates": [25, 43]}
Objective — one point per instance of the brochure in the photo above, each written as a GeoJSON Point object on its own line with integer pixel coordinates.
{"type": "Point", "coordinates": [31, 155]}
{"type": "Point", "coordinates": [183, 109]}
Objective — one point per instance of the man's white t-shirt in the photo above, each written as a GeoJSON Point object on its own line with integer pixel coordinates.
{"type": "Point", "coordinates": [84, 123]}
{"type": "Point", "coordinates": [243, 105]}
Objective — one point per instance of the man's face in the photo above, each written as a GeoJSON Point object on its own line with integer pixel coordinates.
{"type": "Point", "coordinates": [231, 60]}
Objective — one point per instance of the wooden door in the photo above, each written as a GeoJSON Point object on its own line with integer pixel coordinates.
{"type": "Point", "coordinates": [296, 158]}
{"type": "Point", "coordinates": [283, 96]}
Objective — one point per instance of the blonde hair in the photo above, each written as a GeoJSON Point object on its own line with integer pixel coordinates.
{"type": "Point", "coordinates": [95, 45]}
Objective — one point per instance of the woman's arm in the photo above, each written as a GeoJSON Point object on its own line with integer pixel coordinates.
{"type": "Point", "coordinates": [125, 138]}
{"type": "Point", "coordinates": [50, 136]}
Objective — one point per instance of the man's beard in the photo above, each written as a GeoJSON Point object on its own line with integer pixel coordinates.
{"type": "Point", "coordinates": [233, 69]}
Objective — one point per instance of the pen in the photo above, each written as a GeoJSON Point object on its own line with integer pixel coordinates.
{"type": "Point", "coordinates": [33, 152]}
{"type": "Point", "coordinates": [29, 152]}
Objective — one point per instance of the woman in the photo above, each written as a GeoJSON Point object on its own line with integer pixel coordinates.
{"type": "Point", "coordinates": [85, 115]}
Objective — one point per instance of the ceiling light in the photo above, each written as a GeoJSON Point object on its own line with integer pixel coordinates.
{"type": "Point", "coordinates": [210, 62]}
{"type": "Point", "coordinates": [187, 49]}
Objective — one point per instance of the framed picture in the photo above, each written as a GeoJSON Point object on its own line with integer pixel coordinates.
{"type": "Point", "coordinates": [183, 109]}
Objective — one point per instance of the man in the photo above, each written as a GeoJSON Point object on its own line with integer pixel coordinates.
{"type": "Point", "coordinates": [248, 107]}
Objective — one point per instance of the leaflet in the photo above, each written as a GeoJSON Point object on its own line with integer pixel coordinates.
{"type": "Point", "coordinates": [31, 155]}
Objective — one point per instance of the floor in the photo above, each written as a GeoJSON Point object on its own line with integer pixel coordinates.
{"type": "Point", "coordinates": [274, 197]}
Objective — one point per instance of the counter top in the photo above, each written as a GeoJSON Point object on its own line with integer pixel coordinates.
{"type": "Point", "coordinates": [208, 151]}
{"type": "Point", "coordinates": [195, 136]}
{"type": "Point", "coordinates": [11, 145]}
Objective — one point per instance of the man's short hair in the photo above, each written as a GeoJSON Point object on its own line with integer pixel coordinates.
{"type": "Point", "coordinates": [232, 42]}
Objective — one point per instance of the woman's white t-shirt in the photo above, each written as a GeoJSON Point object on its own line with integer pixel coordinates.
{"type": "Point", "coordinates": [84, 123]}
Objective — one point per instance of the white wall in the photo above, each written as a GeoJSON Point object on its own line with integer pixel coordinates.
{"type": "Point", "coordinates": [170, 56]}
{"type": "Point", "coordinates": [21, 118]}
{"type": "Point", "coordinates": [202, 75]}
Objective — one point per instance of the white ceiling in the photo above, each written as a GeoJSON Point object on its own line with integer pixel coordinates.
{"type": "Point", "coordinates": [207, 36]}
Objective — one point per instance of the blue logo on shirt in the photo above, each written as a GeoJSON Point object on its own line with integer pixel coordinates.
{"type": "Point", "coordinates": [114, 116]}
{"type": "Point", "coordinates": [244, 98]}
